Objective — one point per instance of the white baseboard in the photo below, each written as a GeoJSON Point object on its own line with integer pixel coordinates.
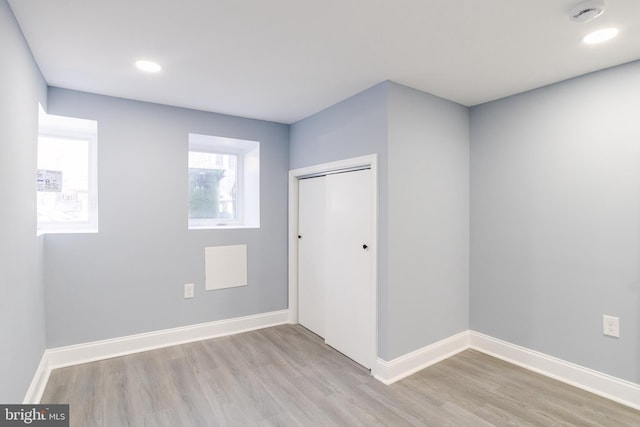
{"type": "Point", "coordinates": [39, 382]}
{"type": "Point", "coordinates": [403, 366]}
{"type": "Point", "coordinates": [604, 385]}
{"type": "Point", "coordinates": [106, 349]}
{"type": "Point", "coordinates": [616, 389]}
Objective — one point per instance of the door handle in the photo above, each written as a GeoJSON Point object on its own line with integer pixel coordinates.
{"type": "Point", "coordinates": [365, 246]}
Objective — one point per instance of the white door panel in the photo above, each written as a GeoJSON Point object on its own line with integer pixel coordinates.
{"type": "Point", "coordinates": [349, 324]}
{"type": "Point", "coordinates": [311, 247]}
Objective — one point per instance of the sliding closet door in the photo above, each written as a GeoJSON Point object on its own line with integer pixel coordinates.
{"type": "Point", "coordinates": [311, 254]}
{"type": "Point", "coordinates": [336, 288]}
{"type": "Point", "coordinates": [349, 322]}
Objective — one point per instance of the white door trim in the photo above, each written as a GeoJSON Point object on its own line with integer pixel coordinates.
{"type": "Point", "coordinates": [370, 161]}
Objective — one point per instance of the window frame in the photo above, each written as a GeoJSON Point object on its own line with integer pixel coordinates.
{"type": "Point", "coordinates": [241, 148]}
{"type": "Point", "coordinates": [204, 223]}
{"type": "Point", "coordinates": [71, 128]}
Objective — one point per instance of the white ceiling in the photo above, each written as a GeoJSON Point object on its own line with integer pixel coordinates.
{"type": "Point", "coordinates": [283, 60]}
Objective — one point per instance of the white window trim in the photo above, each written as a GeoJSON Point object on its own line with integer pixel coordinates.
{"type": "Point", "coordinates": [231, 146]}
{"type": "Point", "coordinates": [74, 131]}
{"type": "Point", "coordinates": [199, 223]}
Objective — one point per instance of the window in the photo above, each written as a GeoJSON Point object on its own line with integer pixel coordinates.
{"type": "Point", "coordinates": [224, 182]}
{"type": "Point", "coordinates": [67, 184]}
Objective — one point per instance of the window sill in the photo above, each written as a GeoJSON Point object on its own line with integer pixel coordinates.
{"type": "Point", "coordinates": [66, 231]}
{"type": "Point", "coordinates": [221, 227]}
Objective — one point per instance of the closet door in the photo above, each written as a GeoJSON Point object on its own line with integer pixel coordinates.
{"type": "Point", "coordinates": [311, 253]}
{"type": "Point", "coordinates": [335, 284]}
{"type": "Point", "coordinates": [349, 290]}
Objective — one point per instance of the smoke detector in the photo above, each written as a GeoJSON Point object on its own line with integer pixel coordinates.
{"type": "Point", "coordinates": [586, 11]}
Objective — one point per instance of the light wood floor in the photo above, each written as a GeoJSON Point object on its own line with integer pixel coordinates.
{"type": "Point", "coordinates": [286, 376]}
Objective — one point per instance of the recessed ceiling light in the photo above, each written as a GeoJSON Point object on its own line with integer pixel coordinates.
{"type": "Point", "coordinates": [600, 36]}
{"type": "Point", "coordinates": [148, 66]}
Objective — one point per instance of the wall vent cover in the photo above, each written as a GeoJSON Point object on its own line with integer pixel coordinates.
{"type": "Point", "coordinates": [586, 11]}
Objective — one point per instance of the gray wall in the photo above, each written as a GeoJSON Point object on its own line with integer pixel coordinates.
{"type": "Point", "coordinates": [128, 278]}
{"type": "Point", "coordinates": [555, 219]}
{"type": "Point", "coordinates": [398, 123]}
{"type": "Point", "coordinates": [22, 326]}
{"type": "Point", "coordinates": [354, 127]}
{"type": "Point", "coordinates": [428, 219]}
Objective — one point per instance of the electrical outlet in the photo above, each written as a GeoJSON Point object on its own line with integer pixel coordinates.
{"type": "Point", "coordinates": [611, 326]}
{"type": "Point", "coordinates": [189, 290]}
